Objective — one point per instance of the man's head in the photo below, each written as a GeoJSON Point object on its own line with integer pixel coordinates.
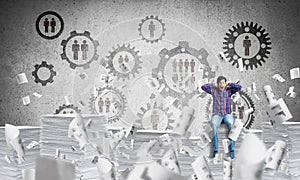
{"type": "Point", "coordinates": [221, 83]}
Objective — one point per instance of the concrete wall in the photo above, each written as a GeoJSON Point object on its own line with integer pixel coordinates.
{"type": "Point", "coordinates": [22, 47]}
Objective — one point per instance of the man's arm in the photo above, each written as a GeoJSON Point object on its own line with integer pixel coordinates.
{"type": "Point", "coordinates": [234, 87]}
{"type": "Point", "coordinates": [207, 87]}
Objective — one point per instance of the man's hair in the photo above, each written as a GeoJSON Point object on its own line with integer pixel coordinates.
{"type": "Point", "coordinates": [220, 78]}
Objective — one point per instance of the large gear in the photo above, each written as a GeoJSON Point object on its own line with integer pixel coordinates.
{"type": "Point", "coordinates": [67, 109]}
{"type": "Point", "coordinates": [112, 69]}
{"type": "Point", "coordinates": [149, 109]}
{"type": "Point", "coordinates": [246, 98]}
{"type": "Point", "coordinates": [249, 28]}
{"type": "Point", "coordinates": [152, 40]}
{"type": "Point", "coordinates": [43, 65]}
{"type": "Point", "coordinates": [64, 54]}
{"type": "Point", "coordinates": [123, 102]}
{"type": "Point", "coordinates": [166, 55]}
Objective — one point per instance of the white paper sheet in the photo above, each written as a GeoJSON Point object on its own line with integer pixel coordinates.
{"type": "Point", "coordinates": [21, 78]}
{"type": "Point", "coordinates": [295, 73]}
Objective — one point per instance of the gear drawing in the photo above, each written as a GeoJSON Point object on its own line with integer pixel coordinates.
{"type": "Point", "coordinates": [152, 40]}
{"type": "Point", "coordinates": [67, 109]}
{"type": "Point", "coordinates": [261, 51]}
{"type": "Point", "coordinates": [43, 65]}
{"type": "Point", "coordinates": [109, 64]}
{"type": "Point", "coordinates": [246, 99]}
{"type": "Point", "coordinates": [156, 110]}
{"type": "Point", "coordinates": [85, 65]}
{"type": "Point", "coordinates": [166, 55]}
{"type": "Point", "coordinates": [119, 103]}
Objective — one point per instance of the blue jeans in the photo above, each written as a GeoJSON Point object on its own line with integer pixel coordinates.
{"type": "Point", "coordinates": [215, 124]}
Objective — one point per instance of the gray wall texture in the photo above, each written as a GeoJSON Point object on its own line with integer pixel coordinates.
{"type": "Point", "coordinates": [22, 47]}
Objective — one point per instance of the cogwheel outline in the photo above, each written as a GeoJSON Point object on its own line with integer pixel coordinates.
{"type": "Point", "coordinates": [69, 106]}
{"type": "Point", "coordinates": [250, 103]}
{"type": "Point", "coordinates": [109, 62]}
{"type": "Point", "coordinates": [255, 30]}
{"type": "Point", "coordinates": [165, 55]}
{"type": "Point", "coordinates": [45, 65]}
{"type": "Point", "coordinates": [114, 90]}
{"type": "Point", "coordinates": [148, 107]}
{"type": "Point", "coordinates": [64, 43]}
{"type": "Point", "coordinates": [162, 25]}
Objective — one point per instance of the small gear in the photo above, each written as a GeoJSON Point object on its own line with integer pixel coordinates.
{"type": "Point", "coordinates": [246, 98]}
{"type": "Point", "coordinates": [43, 65]}
{"type": "Point", "coordinates": [90, 60]}
{"type": "Point", "coordinates": [112, 69]}
{"type": "Point", "coordinates": [121, 106]}
{"type": "Point", "coordinates": [144, 112]}
{"type": "Point", "coordinates": [166, 55]}
{"type": "Point", "coordinates": [262, 50]}
{"type": "Point", "coordinates": [67, 109]}
{"type": "Point", "coordinates": [156, 39]}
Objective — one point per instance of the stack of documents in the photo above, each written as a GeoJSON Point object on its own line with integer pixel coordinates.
{"type": "Point", "coordinates": [56, 143]}
{"type": "Point", "coordinates": [10, 168]}
{"type": "Point", "coordinates": [269, 136]}
{"type": "Point", "coordinates": [294, 155]}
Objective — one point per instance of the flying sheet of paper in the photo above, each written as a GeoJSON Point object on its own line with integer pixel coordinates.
{"type": "Point", "coordinates": [248, 111]}
{"type": "Point", "coordinates": [12, 136]}
{"type": "Point", "coordinates": [21, 78]}
{"type": "Point", "coordinates": [7, 159]}
{"type": "Point", "coordinates": [185, 121]}
{"type": "Point", "coordinates": [32, 144]}
{"type": "Point", "coordinates": [37, 95]}
{"type": "Point", "coordinates": [26, 100]}
{"type": "Point", "coordinates": [48, 168]}
{"type": "Point", "coordinates": [256, 96]}
{"type": "Point", "coordinates": [78, 130]}
{"type": "Point", "coordinates": [67, 100]}
{"type": "Point", "coordinates": [218, 158]}
{"type": "Point", "coordinates": [223, 56]}
{"type": "Point", "coordinates": [278, 77]}
{"type": "Point", "coordinates": [226, 143]}
{"type": "Point", "coordinates": [278, 112]}
{"type": "Point", "coordinates": [191, 152]}
{"type": "Point", "coordinates": [117, 138]}
{"type": "Point", "coordinates": [240, 63]}
{"type": "Point", "coordinates": [201, 168]}
{"type": "Point", "coordinates": [274, 156]}
{"type": "Point", "coordinates": [291, 92]}
{"type": "Point", "coordinates": [236, 129]}
{"type": "Point", "coordinates": [170, 161]}
{"type": "Point", "coordinates": [253, 87]}
{"type": "Point", "coordinates": [82, 76]}
{"type": "Point", "coordinates": [295, 73]}
{"type": "Point", "coordinates": [250, 160]}
{"type": "Point", "coordinates": [227, 169]}
{"type": "Point", "coordinates": [153, 171]}
{"type": "Point", "coordinates": [105, 169]}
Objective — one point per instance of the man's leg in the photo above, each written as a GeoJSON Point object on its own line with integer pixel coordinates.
{"type": "Point", "coordinates": [229, 120]}
{"type": "Point", "coordinates": [215, 123]}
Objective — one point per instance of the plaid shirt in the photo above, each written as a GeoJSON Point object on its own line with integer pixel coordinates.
{"type": "Point", "coordinates": [221, 99]}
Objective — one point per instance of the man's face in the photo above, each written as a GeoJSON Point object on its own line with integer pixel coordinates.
{"type": "Point", "coordinates": [221, 85]}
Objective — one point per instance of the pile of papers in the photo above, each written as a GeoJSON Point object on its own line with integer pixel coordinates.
{"type": "Point", "coordinates": [270, 136]}
{"type": "Point", "coordinates": [294, 156]}
{"type": "Point", "coordinates": [56, 143]}
{"type": "Point", "coordinates": [10, 167]}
